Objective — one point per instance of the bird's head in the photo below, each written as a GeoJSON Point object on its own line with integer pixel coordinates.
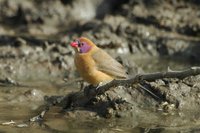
{"type": "Point", "coordinates": [82, 45]}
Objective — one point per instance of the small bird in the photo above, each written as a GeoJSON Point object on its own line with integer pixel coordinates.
{"type": "Point", "coordinates": [95, 65]}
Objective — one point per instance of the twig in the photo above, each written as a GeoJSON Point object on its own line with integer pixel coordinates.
{"type": "Point", "coordinates": [38, 117]}
{"type": "Point", "coordinates": [148, 77]}
{"type": "Point", "coordinates": [150, 92]}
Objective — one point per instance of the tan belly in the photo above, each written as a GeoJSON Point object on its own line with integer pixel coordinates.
{"type": "Point", "coordinates": [96, 77]}
{"type": "Point", "coordinates": [87, 69]}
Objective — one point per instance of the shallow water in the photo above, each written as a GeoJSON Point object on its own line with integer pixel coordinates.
{"type": "Point", "coordinates": [21, 103]}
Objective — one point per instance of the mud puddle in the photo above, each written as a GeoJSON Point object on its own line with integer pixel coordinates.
{"type": "Point", "coordinates": [19, 104]}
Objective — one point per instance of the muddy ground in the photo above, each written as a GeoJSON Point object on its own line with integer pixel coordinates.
{"type": "Point", "coordinates": [36, 64]}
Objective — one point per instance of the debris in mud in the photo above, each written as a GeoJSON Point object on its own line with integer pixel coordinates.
{"type": "Point", "coordinates": [13, 123]}
{"type": "Point", "coordinates": [8, 123]}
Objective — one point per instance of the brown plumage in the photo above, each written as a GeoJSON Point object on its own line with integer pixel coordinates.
{"type": "Point", "coordinates": [94, 64]}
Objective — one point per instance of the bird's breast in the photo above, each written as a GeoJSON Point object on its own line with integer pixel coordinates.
{"type": "Point", "coordinates": [86, 67]}
{"type": "Point", "coordinates": [84, 63]}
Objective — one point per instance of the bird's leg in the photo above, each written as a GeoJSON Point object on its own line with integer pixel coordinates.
{"type": "Point", "coordinates": [82, 85]}
{"type": "Point", "coordinates": [99, 85]}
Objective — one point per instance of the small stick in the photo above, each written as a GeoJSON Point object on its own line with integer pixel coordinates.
{"type": "Point", "coordinates": [148, 77]}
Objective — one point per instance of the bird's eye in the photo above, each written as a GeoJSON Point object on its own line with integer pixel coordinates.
{"type": "Point", "coordinates": [79, 43]}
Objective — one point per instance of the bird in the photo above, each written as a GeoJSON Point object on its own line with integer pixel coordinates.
{"type": "Point", "coordinates": [95, 65]}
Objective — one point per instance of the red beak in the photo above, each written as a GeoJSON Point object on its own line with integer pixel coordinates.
{"type": "Point", "coordinates": [74, 44]}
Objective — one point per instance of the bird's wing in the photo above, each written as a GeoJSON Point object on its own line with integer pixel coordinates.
{"type": "Point", "coordinates": [108, 65]}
